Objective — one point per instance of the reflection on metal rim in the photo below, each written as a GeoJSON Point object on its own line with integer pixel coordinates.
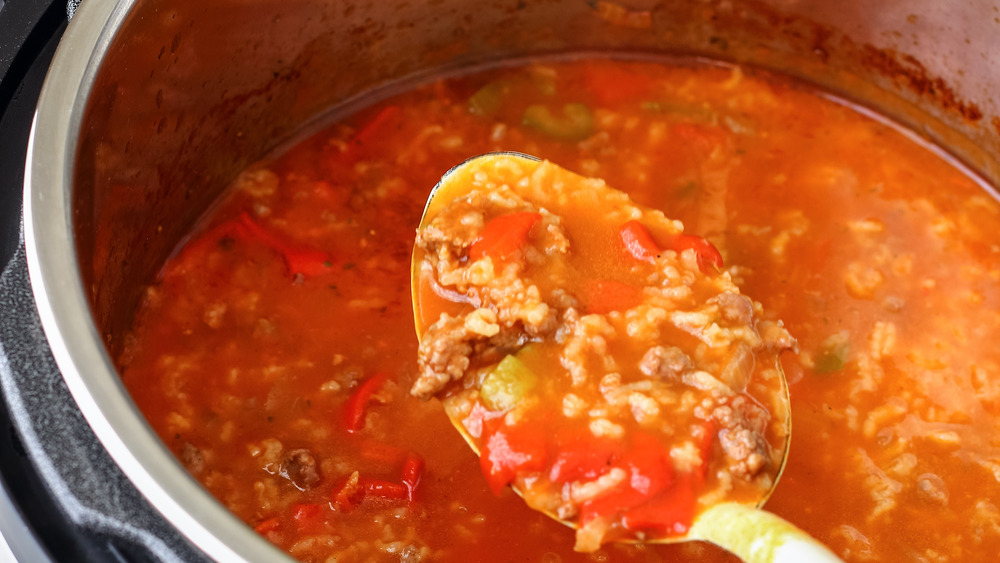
{"type": "Point", "coordinates": [72, 336]}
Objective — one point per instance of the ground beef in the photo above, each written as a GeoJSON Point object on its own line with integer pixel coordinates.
{"type": "Point", "coordinates": [776, 337]}
{"type": "Point", "coordinates": [667, 362]}
{"type": "Point", "coordinates": [192, 458]}
{"type": "Point", "coordinates": [734, 307]}
{"type": "Point", "coordinates": [741, 434]}
{"type": "Point", "coordinates": [460, 232]}
{"type": "Point", "coordinates": [443, 356]}
{"type": "Point", "coordinates": [445, 350]}
{"type": "Point", "coordinates": [300, 467]}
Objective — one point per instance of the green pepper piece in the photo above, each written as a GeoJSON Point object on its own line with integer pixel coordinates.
{"type": "Point", "coordinates": [576, 123]}
{"type": "Point", "coordinates": [507, 385]}
{"type": "Point", "coordinates": [834, 353]}
{"type": "Point", "coordinates": [488, 99]}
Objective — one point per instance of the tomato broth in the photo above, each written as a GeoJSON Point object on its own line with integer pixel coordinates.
{"type": "Point", "coordinates": [275, 352]}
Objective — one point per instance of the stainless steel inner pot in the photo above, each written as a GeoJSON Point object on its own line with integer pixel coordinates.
{"type": "Point", "coordinates": [151, 107]}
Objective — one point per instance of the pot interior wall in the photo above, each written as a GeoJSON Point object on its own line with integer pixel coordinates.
{"type": "Point", "coordinates": [189, 92]}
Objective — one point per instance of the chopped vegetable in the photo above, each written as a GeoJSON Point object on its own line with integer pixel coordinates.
{"type": "Point", "coordinates": [576, 123]}
{"type": "Point", "coordinates": [386, 490]}
{"type": "Point", "coordinates": [669, 512]}
{"type": "Point", "coordinates": [378, 125]}
{"type": "Point", "coordinates": [709, 258]}
{"type": "Point", "coordinates": [347, 492]}
{"type": "Point", "coordinates": [307, 515]}
{"type": "Point", "coordinates": [508, 451]}
{"type": "Point", "coordinates": [583, 456]}
{"type": "Point", "coordinates": [353, 489]}
{"type": "Point", "coordinates": [638, 242]}
{"type": "Point", "coordinates": [649, 471]}
{"type": "Point", "coordinates": [504, 236]}
{"type": "Point", "coordinates": [507, 384]}
{"type": "Point", "coordinates": [488, 99]}
{"type": "Point", "coordinates": [833, 353]}
{"type": "Point", "coordinates": [413, 470]}
{"type": "Point", "coordinates": [306, 261]}
{"type": "Point", "coordinates": [269, 525]}
{"type": "Point", "coordinates": [356, 405]}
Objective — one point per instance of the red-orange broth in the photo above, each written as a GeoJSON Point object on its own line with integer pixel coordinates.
{"type": "Point", "coordinates": [275, 352]}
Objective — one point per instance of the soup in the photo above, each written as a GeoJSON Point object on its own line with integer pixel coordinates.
{"type": "Point", "coordinates": [275, 353]}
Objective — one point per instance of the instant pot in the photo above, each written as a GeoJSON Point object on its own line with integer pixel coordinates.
{"type": "Point", "coordinates": [150, 107]}
{"type": "Point", "coordinates": [62, 497]}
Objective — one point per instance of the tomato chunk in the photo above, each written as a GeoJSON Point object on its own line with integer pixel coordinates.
{"type": "Point", "coordinates": [504, 236]}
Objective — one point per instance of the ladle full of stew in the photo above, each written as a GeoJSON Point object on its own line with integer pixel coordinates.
{"type": "Point", "coordinates": [601, 361]}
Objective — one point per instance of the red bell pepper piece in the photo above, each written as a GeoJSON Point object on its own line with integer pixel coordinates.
{"type": "Point", "coordinates": [306, 261]}
{"type": "Point", "coordinates": [193, 254]}
{"type": "Point", "coordinates": [378, 124]}
{"type": "Point", "coordinates": [357, 403]}
{"type": "Point", "coordinates": [668, 513]}
{"type": "Point", "coordinates": [638, 242]}
{"type": "Point", "coordinates": [413, 470]}
{"type": "Point", "coordinates": [504, 236]}
{"type": "Point", "coordinates": [386, 490]}
{"type": "Point", "coordinates": [604, 296]}
{"type": "Point", "coordinates": [649, 472]}
{"type": "Point", "coordinates": [507, 451]}
{"type": "Point", "coordinates": [269, 525]}
{"type": "Point", "coordinates": [351, 490]}
{"type": "Point", "coordinates": [582, 456]}
{"type": "Point", "coordinates": [306, 516]}
{"type": "Point", "coordinates": [709, 257]}
{"type": "Point", "coordinates": [347, 492]}
{"type": "Point", "coordinates": [648, 463]}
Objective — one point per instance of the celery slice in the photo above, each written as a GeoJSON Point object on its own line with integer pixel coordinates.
{"type": "Point", "coordinates": [576, 123]}
{"type": "Point", "coordinates": [507, 385]}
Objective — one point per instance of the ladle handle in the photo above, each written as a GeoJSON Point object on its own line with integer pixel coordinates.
{"type": "Point", "coordinates": [757, 536]}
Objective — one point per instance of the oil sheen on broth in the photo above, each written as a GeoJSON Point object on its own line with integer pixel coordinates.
{"type": "Point", "coordinates": [275, 353]}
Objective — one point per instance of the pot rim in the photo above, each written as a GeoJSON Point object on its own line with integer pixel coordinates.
{"type": "Point", "coordinates": [65, 312]}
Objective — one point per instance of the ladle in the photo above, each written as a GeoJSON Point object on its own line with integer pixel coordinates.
{"type": "Point", "coordinates": [746, 530]}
